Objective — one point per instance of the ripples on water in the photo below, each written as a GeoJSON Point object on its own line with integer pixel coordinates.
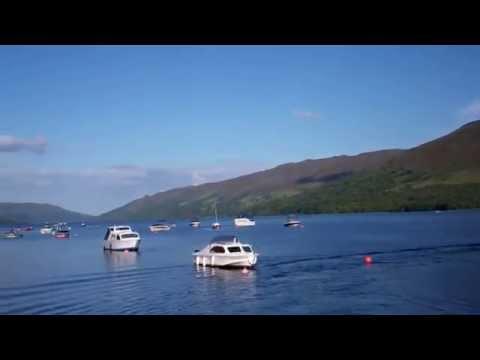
{"type": "Point", "coordinates": [423, 264]}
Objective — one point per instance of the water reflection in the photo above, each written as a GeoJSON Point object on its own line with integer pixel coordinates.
{"type": "Point", "coordinates": [119, 259]}
{"type": "Point", "coordinates": [233, 275]}
{"type": "Point", "coordinates": [221, 286]}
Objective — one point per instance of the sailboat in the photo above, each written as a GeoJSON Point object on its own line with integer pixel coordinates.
{"type": "Point", "coordinates": [216, 225]}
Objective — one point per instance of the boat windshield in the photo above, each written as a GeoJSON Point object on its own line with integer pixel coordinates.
{"type": "Point", "coordinates": [123, 228]}
{"type": "Point", "coordinates": [129, 236]}
{"type": "Point", "coordinates": [247, 249]}
{"type": "Point", "coordinates": [217, 249]}
{"type": "Point", "coordinates": [234, 249]}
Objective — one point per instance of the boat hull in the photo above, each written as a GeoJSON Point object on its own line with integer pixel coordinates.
{"type": "Point", "coordinates": [122, 245]}
{"type": "Point", "coordinates": [62, 236]}
{"type": "Point", "coordinates": [46, 231]}
{"type": "Point", "coordinates": [157, 229]}
{"type": "Point", "coordinates": [293, 225]}
{"type": "Point", "coordinates": [241, 261]}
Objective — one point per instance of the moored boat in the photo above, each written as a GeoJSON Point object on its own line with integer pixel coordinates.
{"type": "Point", "coordinates": [61, 231]}
{"type": "Point", "coordinates": [12, 234]}
{"type": "Point", "coordinates": [195, 223]}
{"type": "Point", "coordinates": [243, 221]}
{"type": "Point", "coordinates": [292, 221]}
{"type": "Point", "coordinates": [216, 225]}
{"type": "Point", "coordinates": [162, 225]}
{"type": "Point", "coordinates": [46, 229]}
{"type": "Point", "coordinates": [121, 238]}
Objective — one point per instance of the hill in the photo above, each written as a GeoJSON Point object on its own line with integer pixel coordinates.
{"type": "Point", "coordinates": [443, 173]}
{"type": "Point", "coordinates": [33, 213]}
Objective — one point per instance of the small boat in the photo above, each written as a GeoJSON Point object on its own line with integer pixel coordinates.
{"type": "Point", "coordinates": [195, 223]}
{"type": "Point", "coordinates": [61, 231]}
{"type": "Point", "coordinates": [11, 235]}
{"type": "Point", "coordinates": [60, 227]}
{"type": "Point", "coordinates": [83, 224]}
{"type": "Point", "coordinates": [121, 238]}
{"type": "Point", "coordinates": [292, 221]}
{"type": "Point", "coordinates": [162, 225]}
{"type": "Point", "coordinates": [226, 251]}
{"type": "Point", "coordinates": [216, 225]}
{"type": "Point", "coordinates": [46, 229]}
{"type": "Point", "coordinates": [243, 221]}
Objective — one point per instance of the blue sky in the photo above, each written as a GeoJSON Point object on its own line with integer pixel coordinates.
{"type": "Point", "coordinates": [93, 127]}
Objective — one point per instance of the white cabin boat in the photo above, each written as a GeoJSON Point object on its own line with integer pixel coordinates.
{"type": "Point", "coordinates": [121, 237]}
{"type": "Point", "coordinates": [292, 221]}
{"type": "Point", "coordinates": [160, 226]}
{"type": "Point", "coordinates": [226, 251]}
{"type": "Point", "coordinates": [243, 221]}
{"type": "Point", "coordinates": [46, 229]}
{"type": "Point", "coordinates": [195, 223]}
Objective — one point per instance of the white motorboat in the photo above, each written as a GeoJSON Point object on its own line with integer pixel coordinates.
{"type": "Point", "coordinates": [292, 221]}
{"type": "Point", "coordinates": [63, 226]}
{"type": "Point", "coordinates": [46, 229]}
{"type": "Point", "coordinates": [121, 237]}
{"type": "Point", "coordinates": [226, 251]}
{"type": "Point", "coordinates": [160, 226]}
{"type": "Point", "coordinates": [243, 221]}
{"type": "Point", "coordinates": [61, 231]}
{"type": "Point", "coordinates": [195, 223]}
{"type": "Point", "coordinates": [12, 234]}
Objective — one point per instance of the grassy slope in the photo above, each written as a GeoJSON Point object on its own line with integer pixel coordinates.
{"type": "Point", "coordinates": [443, 173]}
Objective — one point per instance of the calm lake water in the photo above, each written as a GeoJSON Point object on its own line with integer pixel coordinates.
{"type": "Point", "coordinates": [423, 263]}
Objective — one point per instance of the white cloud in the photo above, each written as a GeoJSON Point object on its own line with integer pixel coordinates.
{"type": "Point", "coordinates": [305, 114]}
{"type": "Point", "coordinates": [10, 143]}
{"type": "Point", "coordinates": [471, 111]}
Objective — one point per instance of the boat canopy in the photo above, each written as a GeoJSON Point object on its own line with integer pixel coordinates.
{"type": "Point", "coordinates": [224, 239]}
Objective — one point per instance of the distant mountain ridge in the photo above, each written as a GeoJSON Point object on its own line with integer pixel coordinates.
{"type": "Point", "coordinates": [443, 173]}
{"type": "Point", "coordinates": [34, 213]}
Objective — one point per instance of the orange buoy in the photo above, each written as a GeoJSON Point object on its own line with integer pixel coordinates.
{"type": "Point", "coordinates": [368, 259]}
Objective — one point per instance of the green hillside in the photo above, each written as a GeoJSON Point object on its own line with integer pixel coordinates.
{"type": "Point", "coordinates": [443, 173]}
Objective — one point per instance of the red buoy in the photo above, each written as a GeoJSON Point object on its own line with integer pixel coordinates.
{"type": "Point", "coordinates": [368, 259]}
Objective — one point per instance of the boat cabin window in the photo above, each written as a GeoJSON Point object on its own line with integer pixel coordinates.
{"type": "Point", "coordinates": [122, 228]}
{"type": "Point", "coordinates": [118, 237]}
{"type": "Point", "coordinates": [234, 249]}
{"type": "Point", "coordinates": [217, 249]}
{"type": "Point", "coordinates": [107, 235]}
{"type": "Point", "coordinates": [247, 249]}
{"type": "Point", "coordinates": [128, 236]}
